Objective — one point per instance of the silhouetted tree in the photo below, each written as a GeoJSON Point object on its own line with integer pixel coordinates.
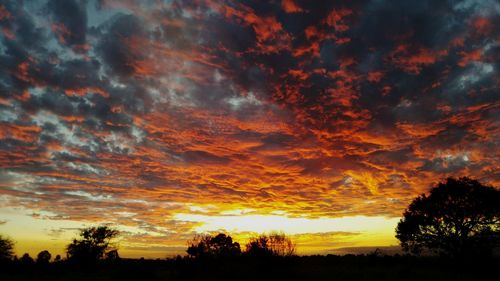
{"type": "Point", "coordinates": [6, 248]}
{"type": "Point", "coordinates": [112, 255]}
{"type": "Point", "coordinates": [274, 244]}
{"type": "Point", "coordinates": [26, 259]}
{"type": "Point", "coordinates": [57, 258]}
{"type": "Point", "coordinates": [460, 217]}
{"type": "Point", "coordinates": [219, 246]}
{"type": "Point", "coordinates": [95, 242]}
{"type": "Point", "coordinates": [43, 257]}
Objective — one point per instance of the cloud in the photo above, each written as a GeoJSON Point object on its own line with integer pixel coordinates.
{"type": "Point", "coordinates": [69, 23]}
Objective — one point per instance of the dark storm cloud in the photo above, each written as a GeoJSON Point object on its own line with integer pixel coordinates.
{"type": "Point", "coordinates": [113, 45]}
{"type": "Point", "coordinates": [18, 25]}
{"type": "Point", "coordinates": [69, 21]}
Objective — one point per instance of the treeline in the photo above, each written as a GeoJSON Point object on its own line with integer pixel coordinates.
{"type": "Point", "coordinates": [218, 258]}
{"type": "Point", "coordinates": [222, 246]}
{"type": "Point", "coordinates": [7, 255]}
{"type": "Point", "coordinates": [96, 244]}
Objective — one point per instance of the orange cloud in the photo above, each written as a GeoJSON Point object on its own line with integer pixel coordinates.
{"type": "Point", "coordinates": [335, 19]}
{"type": "Point", "coordinates": [410, 61]}
{"type": "Point", "coordinates": [25, 133]}
{"type": "Point", "coordinates": [467, 57]}
{"type": "Point", "coordinates": [85, 91]}
{"type": "Point", "coordinates": [4, 13]}
{"type": "Point", "coordinates": [375, 76]}
{"type": "Point", "coordinates": [482, 26]}
{"type": "Point", "coordinates": [290, 6]}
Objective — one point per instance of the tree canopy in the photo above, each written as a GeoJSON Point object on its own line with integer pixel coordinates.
{"type": "Point", "coordinates": [274, 244]}
{"type": "Point", "coordinates": [43, 257]}
{"type": "Point", "coordinates": [93, 245]}
{"type": "Point", "coordinates": [26, 259]}
{"type": "Point", "coordinates": [459, 217]}
{"type": "Point", "coordinates": [206, 246]}
{"type": "Point", "coordinates": [6, 248]}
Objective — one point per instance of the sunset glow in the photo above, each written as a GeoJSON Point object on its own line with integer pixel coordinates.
{"type": "Point", "coordinates": [167, 119]}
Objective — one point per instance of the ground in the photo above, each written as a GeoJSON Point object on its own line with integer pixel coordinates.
{"type": "Point", "coordinates": [298, 268]}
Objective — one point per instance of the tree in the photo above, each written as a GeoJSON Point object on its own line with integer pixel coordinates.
{"type": "Point", "coordinates": [112, 256]}
{"type": "Point", "coordinates": [460, 217]}
{"type": "Point", "coordinates": [43, 257]}
{"type": "Point", "coordinates": [219, 246]}
{"type": "Point", "coordinates": [274, 244]}
{"type": "Point", "coordinates": [26, 259]}
{"type": "Point", "coordinates": [6, 248]}
{"type": "Point", "coordinates": [94, 244]}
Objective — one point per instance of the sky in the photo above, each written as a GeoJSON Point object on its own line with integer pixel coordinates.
{"type": "Point", "coordinates": [166, 119]}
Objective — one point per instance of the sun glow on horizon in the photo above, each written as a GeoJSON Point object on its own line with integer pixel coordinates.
{"type": "Point", "coordinates": [312, 235]}
{"type": "Point", "coordinates": [289, 225]}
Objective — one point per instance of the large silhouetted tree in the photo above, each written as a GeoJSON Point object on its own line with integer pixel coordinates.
{"type": "Point", "coordinates": [6, 249]}
{"type": "Point", "coordinates": [219, 246]}
{"type": "Point", "coordinates": [460, 217]}
{"type": "Point", "coordinates": [274, 244]}
{"type": "Point", "coordinates": [94, 244]}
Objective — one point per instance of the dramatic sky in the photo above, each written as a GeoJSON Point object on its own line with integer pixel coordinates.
{"type": "Point", "coordinates": [322, 119]}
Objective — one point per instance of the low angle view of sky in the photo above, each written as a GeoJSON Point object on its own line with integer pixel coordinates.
{"type": "Point", "coordinates": [167, 119]}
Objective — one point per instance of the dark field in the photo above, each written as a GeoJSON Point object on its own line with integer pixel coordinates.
{"type": "Point", "coordinates": [294, 268]}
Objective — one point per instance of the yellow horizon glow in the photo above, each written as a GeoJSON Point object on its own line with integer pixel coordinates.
{"type": "Point", "coordinates": [312, 235]}
{"type": "Point", "coordinates": [289, 225]}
